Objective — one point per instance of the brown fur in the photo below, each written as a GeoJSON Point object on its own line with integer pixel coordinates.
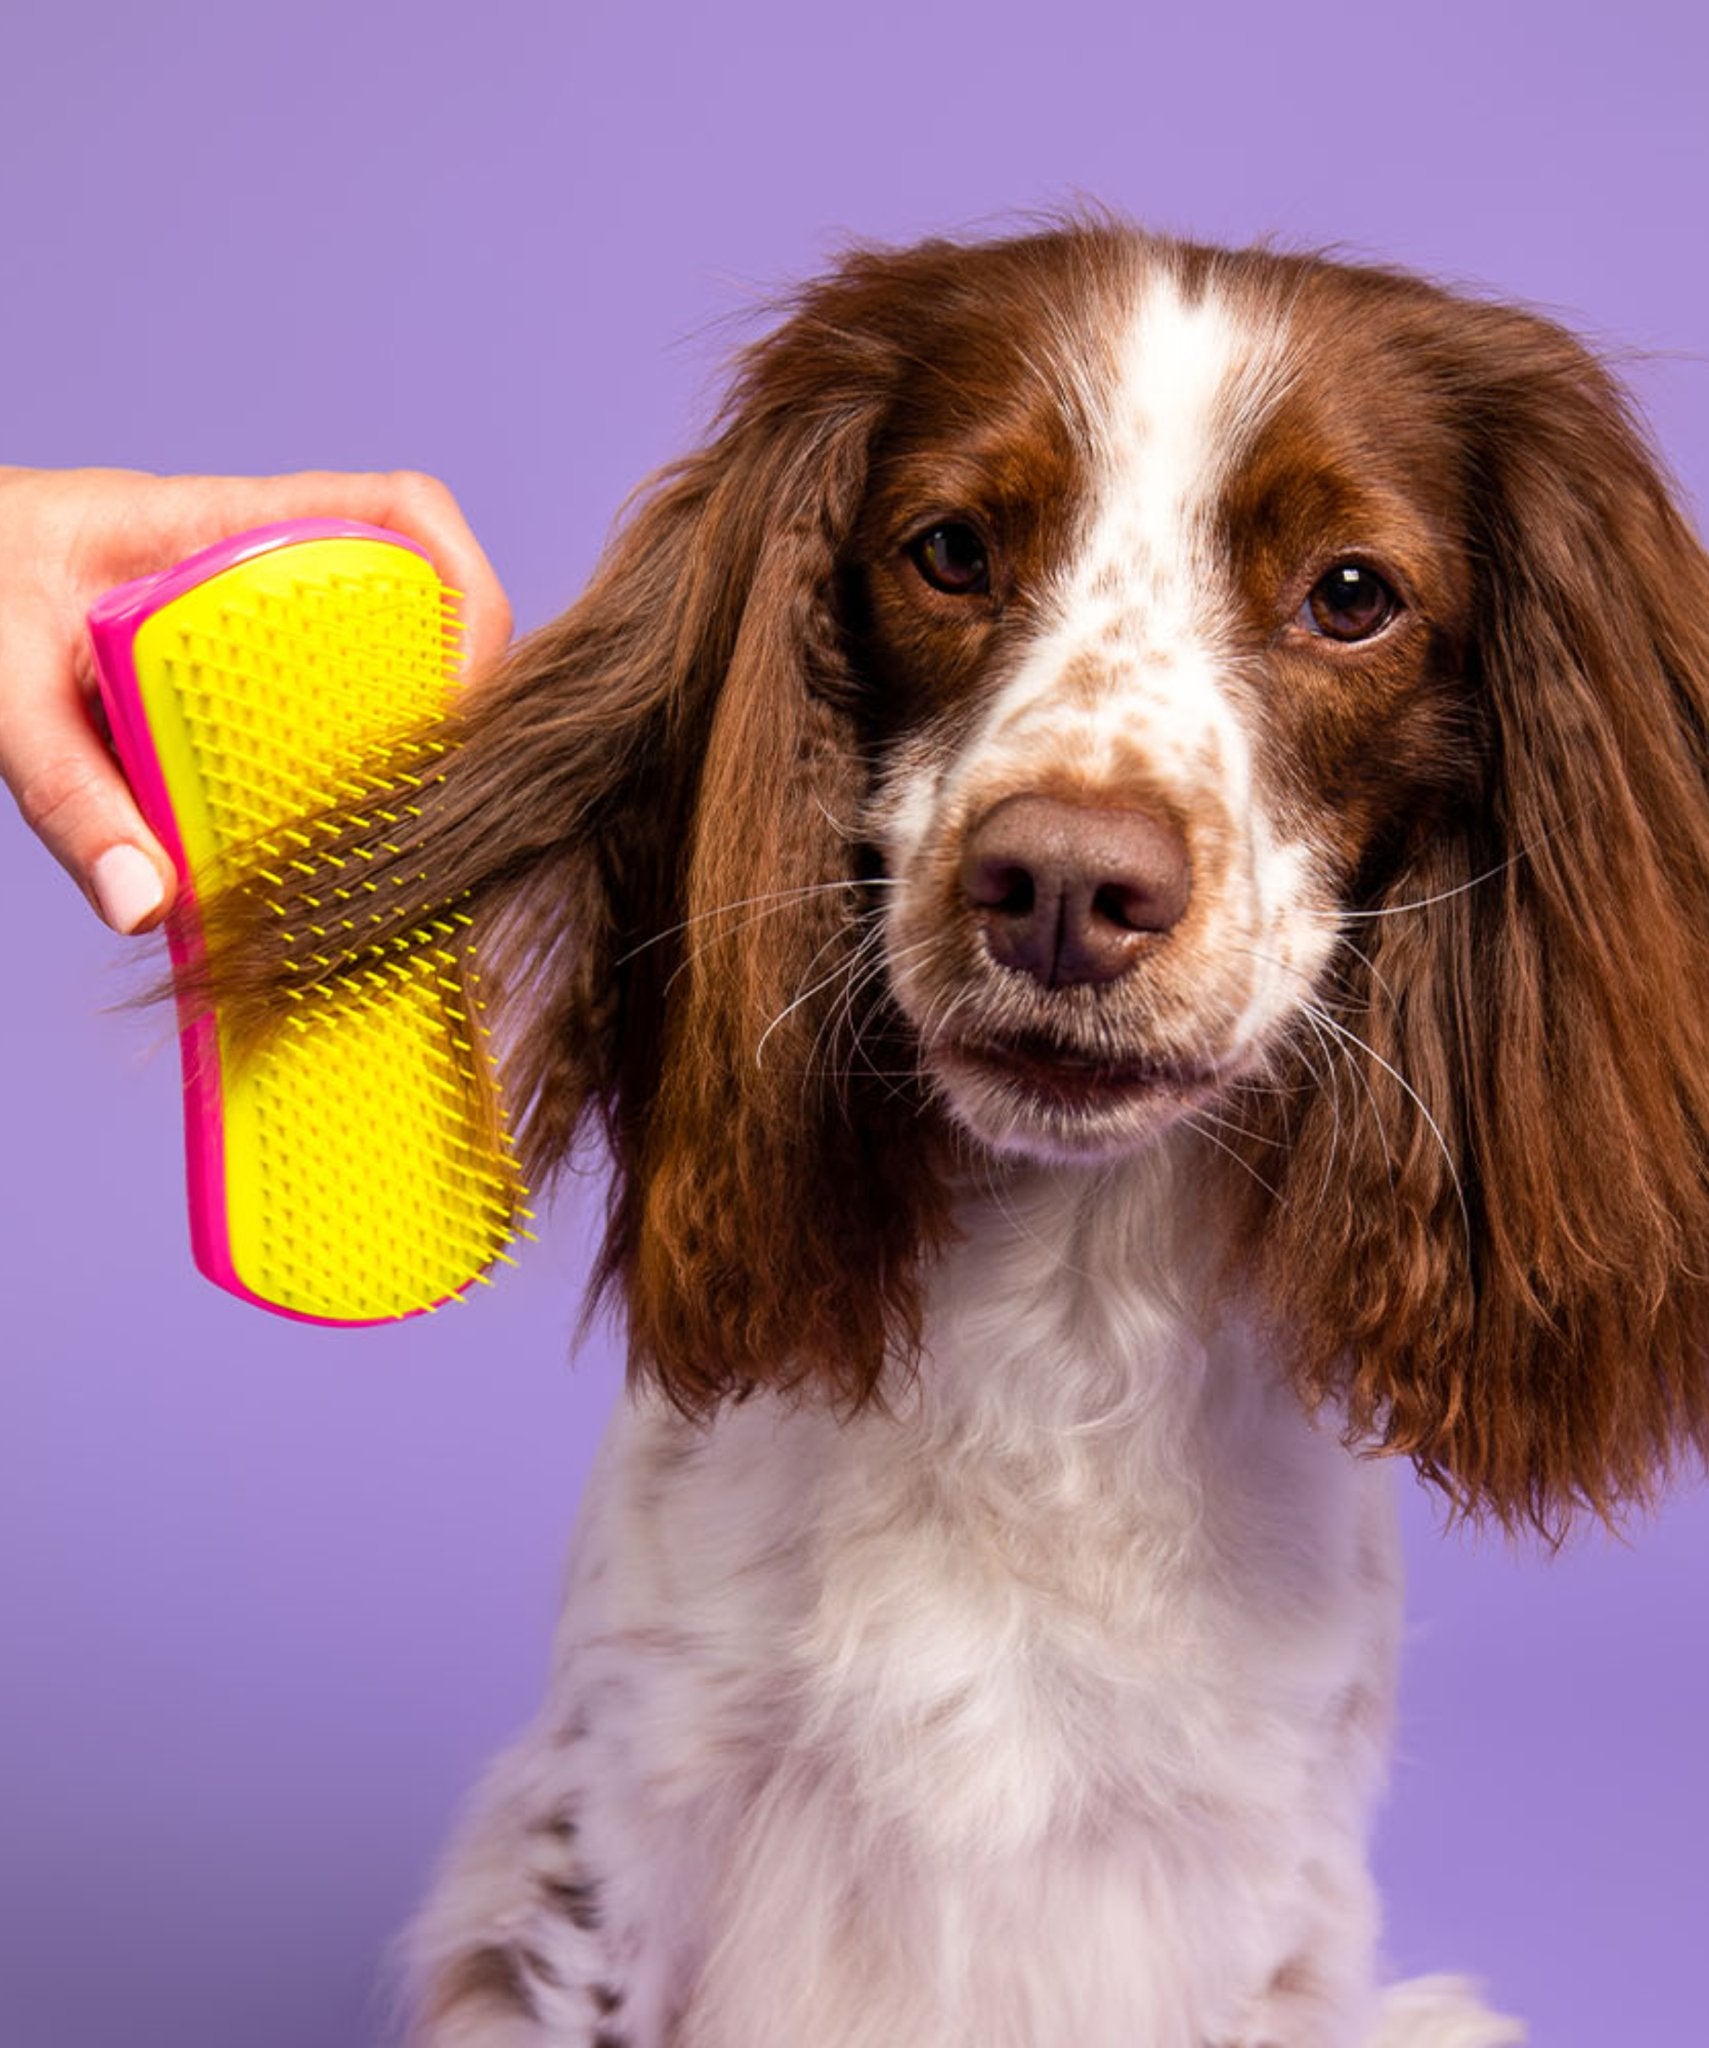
{"type": "Point", "coordinates": [1500, 1268]}
{"type": "Point", "coordinates": [495, 1981]}
{"type": "Point", "coordinates": [1542, 1346]}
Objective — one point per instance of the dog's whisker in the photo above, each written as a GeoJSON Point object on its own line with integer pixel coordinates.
{"type": "Point", "coordinates": [773, 900]}
{"type": "Point", "coordinates": [1206, 1114]}
{"type": "Point", "coordinates": [1354, 1041]}
{"type": "Point", "coordinates": [1476, 881]}
{"type": "Point", "coordinates": [806, 995]}
{"type": "Point", "coordinates": [839, 1029]}
{"type": "Point", "coordinates": [1332, 1065]}
{"type": "Point", "coordinates": [1195, 1120]}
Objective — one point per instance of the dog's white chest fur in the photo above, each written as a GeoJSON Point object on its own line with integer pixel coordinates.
{"type": "Point", "coordinates": [1066, 1655]}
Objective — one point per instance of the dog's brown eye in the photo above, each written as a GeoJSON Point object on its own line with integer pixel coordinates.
{"type": "Point", "coordinates": [952, 558]}
{"type": "Point", "coordinates": [1351, 602]}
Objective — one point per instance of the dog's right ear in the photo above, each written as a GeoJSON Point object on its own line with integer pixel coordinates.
{"type": "Point", "coordinates": [652, 813]}
{"type": "Point", "coordinates": [568, 811]}
{"type": "Point", "coordinates": [567, 798]}
{"type": "Point", "coordinates": [662, 793]}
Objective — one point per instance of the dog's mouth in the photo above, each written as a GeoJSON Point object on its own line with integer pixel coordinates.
{"type": "Point", "coordinates": [1062, 1080]}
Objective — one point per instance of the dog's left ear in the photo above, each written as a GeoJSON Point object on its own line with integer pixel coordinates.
{"type": "Point", "coordinates": [1519, 1297]}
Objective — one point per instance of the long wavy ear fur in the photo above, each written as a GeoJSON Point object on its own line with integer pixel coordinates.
{"type": "Point", "coordinates": [1503, 1265]}
{"type": "Point", "coordinates": [653, 811]}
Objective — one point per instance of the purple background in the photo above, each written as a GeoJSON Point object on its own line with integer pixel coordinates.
{"type": "Point", "coordinates": [269, 1595]}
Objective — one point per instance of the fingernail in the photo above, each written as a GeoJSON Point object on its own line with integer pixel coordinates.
{"type": "Point", "coordinates": [127, 887]}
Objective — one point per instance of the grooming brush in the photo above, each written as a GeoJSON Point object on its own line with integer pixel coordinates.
{"type": "Point", "coordinates": [266, 699]}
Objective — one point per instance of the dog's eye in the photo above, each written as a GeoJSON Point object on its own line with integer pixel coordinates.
{"type": "Point", "coordinates": [1351, 602]}
{"type": "Point", "coordinates": [952, 558]}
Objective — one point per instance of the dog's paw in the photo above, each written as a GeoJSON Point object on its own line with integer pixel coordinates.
{"type": "Point", "coordinates": [1442, 2012]}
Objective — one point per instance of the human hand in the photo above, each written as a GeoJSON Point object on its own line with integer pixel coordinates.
{"type": "Point", "coordinates": [68, 535]}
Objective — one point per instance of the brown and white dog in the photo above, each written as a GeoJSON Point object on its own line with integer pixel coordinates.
{"type": "Point", "coordinates": [1122, 861]}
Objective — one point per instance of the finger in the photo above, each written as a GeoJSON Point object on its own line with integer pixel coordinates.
{"type": "Point", "coordinates": [405, 500]}
{"type": "Point", "coordinates": [69, 787]}
{"type": "Point", "coordinates": [422, 507]}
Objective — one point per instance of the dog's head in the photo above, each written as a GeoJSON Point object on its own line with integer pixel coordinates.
{"type": "Point", "coordinates": [1094, 688]}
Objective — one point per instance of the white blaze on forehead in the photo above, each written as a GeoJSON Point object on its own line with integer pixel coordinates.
{"type": "Point", "coordinates": [1190, 378]}
{"type": "Point", "coordinates": [1142, 604]}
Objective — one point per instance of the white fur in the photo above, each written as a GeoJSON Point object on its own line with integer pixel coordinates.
{"type": "Point", "coordinates": [1048, 1711]}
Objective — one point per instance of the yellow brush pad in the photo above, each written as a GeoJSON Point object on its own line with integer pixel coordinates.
{"type": "Point", "coordinates": [367, 1171]}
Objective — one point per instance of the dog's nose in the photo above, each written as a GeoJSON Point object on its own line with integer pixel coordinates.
{"type": "Point", "coordinates": [1071, 892]}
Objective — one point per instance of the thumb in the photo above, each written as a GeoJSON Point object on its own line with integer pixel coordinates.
{"type": "Point", "coordinates": [67, 784]}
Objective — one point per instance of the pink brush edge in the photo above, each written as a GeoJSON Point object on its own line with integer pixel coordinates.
{"type": "Point", "coordinates": [114, 621]}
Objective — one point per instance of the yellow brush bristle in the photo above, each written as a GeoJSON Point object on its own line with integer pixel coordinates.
{"type": "Point", "coordinates": [368, 1171]}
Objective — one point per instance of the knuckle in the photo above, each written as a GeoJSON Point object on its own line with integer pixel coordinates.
{"type": "Point", "coordinates": [417, 484]}
{"type": "Point", "coordinates": [49, 797]}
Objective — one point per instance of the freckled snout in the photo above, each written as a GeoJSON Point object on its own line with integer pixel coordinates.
{"type": "Point", "coordinates": [1071, 893]}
